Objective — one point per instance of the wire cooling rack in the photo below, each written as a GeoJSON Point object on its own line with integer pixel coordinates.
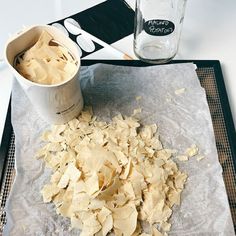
{"type": "Point", "coordinates": [211, 79]}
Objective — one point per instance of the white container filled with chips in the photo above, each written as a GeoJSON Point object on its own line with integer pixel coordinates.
{"type": "Point", "coordinates": [46, 63]}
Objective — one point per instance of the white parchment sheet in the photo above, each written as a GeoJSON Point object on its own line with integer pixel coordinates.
{"type": "Point", "coordinates": [183, 120]}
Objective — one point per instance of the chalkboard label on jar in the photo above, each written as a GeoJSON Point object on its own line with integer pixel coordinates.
{"type": "Point", "coordinates": [159, 27]}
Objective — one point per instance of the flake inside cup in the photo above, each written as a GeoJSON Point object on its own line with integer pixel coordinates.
{"type": "Point", "coordinates": [56, 103]}
{"type": "Point", "coordinates": [46, 62]}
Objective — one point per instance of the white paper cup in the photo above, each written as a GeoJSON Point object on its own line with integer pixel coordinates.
{"type": "Point", "coordinates": [58, 103]}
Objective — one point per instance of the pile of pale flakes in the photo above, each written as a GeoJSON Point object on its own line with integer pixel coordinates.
{"type": "Point", "coordinates": [111, 177]}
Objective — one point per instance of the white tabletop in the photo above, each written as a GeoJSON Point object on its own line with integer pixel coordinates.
{"type": "Point", "coordinates": [208, 33]}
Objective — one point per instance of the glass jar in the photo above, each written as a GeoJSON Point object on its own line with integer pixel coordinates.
{"type": "Point", "coordinates": [158, 25]}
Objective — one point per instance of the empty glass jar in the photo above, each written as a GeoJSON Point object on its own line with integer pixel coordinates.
{"type": "Point", "coordinates": [158, 25]}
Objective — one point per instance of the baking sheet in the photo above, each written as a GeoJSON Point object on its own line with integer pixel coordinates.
{"type": "Point", "coordinates": [183, 120]}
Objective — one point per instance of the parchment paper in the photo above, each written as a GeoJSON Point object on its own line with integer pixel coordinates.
{"type": "Point", "coordinates": [183, 120]}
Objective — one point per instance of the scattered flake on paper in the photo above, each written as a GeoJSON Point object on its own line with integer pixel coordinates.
{"type": "Point", "coordinates": [138, 98]}
{"type": "Point", "coordinates": [182, 157]}
{"type": "Point", "coordinates": [180, 91]}
{"type": "Point", "coordinates": [192, 151]}
{"type": "Point", "coordinates": [136, 111]}
{"type": "Point", "coordinates": [199, 158]}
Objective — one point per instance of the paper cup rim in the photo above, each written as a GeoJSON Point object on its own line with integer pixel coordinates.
{"type": "Point", "coordinates": [27, 80]}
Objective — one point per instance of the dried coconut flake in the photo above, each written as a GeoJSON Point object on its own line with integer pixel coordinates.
{"type": "Point", "coordinates": [108, 177]}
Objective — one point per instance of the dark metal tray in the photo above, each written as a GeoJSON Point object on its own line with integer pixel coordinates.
{"type": "Point", "coordinates": [211, 79]}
